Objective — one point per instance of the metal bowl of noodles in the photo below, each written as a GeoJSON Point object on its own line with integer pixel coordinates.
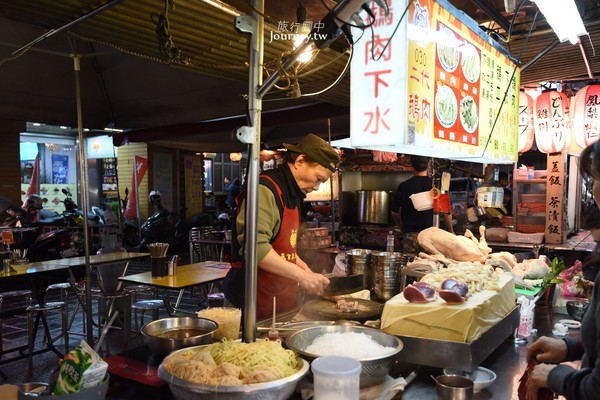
{"type": "Point", "coordinates": [374, 368]}
{"type": "Point", "coordinates": [279, 389]}
{"type": "Point", "coordinates": [168, 334]}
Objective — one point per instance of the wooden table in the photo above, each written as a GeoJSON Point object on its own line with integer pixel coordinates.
{"type": "Point", "coordinates": [187, 276]}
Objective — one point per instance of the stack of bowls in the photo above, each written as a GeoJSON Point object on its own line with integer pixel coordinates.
{"type": "Point", "coordinates": [358, 262]}
{"type": "Point", "coordinates": [386, 274]}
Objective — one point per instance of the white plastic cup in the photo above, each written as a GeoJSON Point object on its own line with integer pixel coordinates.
{"type": "Point", "coordinates": [525, 325]}
{"type": "Point", "coordinates": [336, 378]}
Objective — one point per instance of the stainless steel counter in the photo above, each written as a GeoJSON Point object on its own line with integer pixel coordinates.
{"type": "Point", "coordinates": [507, 361]}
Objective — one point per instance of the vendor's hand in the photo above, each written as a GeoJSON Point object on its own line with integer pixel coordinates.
{"type": "Point", "coordinates": [547, 349]}
{"type": "Point", "coordinates": [538, 380]}
{"type": "Point", "coordinates": [314, 283]}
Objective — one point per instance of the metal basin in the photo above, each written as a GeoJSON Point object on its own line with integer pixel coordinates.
{"type": "Point", "coordinates": [280, 389]}
{"type": "Point", "coordinates": [374, 369]}
{"type": "Point", "coordinates": [168, 334]}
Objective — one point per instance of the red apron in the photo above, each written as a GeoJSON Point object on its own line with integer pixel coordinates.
{"type": "Point", "coordinates": [270, 285]}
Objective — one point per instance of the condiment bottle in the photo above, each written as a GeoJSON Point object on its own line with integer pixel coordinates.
{"type": "Point", "coordinates": [490, 193]}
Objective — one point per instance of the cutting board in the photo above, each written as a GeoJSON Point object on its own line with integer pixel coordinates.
{"type": "Point", "coordinates": [326, 309]}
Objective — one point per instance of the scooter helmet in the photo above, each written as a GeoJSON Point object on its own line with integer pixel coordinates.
{"type": "Point", "coordinates": [153, 196]}
{"type": "Point", "coordinates": [33, 201]}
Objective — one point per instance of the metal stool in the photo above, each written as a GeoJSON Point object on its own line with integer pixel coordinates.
{"type": "Point", "coordinates": [64, 289]}
{"type": "Point", "coordinates": [108, 305]}
{"type": "Point", "coordinates": [135, 290]}
{"type": "Point", "coordinates": [40, 310]}
{"type": "Point", "coordinates": [145, 305]}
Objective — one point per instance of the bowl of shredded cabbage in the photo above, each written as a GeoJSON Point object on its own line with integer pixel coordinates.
{"type": "Point", "coordinates": [232, 370]}
{"type": "Point", "coordinates": [376, 350]}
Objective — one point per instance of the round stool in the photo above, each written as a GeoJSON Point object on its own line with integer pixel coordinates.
{"type": "Point", "coordinates": [63, 289]}
{"type": "Point", "coordinates": [145, 305]}
{"type": "Point", "coordinates": [134, 290]}
{"type": "Point", "coordinates": [108, 304]}
{"type": "Point", "coordinates": [40, 310]}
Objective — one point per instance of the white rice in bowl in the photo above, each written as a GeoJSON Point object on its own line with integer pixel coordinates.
{"type": "Point", "coordinates": [350, 344]}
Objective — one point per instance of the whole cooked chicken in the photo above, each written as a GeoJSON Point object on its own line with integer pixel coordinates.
{"type": "Point", "coordinates": [457, 247]}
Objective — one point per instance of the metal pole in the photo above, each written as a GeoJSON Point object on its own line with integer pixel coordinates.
{"type": "Point", "coordinates": [84, 200]}
{"type": "Point", "coordinates": [256, 54]}
{"type": "Point", "coordinates": [331, 188]}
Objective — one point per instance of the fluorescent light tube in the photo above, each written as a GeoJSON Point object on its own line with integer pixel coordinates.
{"type": "Point", "coordinates": [564, 18]}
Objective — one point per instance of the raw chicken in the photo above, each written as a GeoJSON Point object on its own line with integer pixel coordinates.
{"type": "Point", "coordinates": [533, 268]}
{"type": "Point", "coordinates": [460, 248]}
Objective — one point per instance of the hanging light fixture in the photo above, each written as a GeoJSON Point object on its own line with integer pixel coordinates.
{"type": "Point", "coordinates": [301, 34]}
{"type": "Point", "coordinates": [526, 130]}
{"type": "Point", "coordinates": [564, 19]}
{"type": "Point", "coordinates": [552, 134]}
{"type": "Point", "coordinates": [586, 116]}
{"type": "Point", "coordinates": [235, 157]}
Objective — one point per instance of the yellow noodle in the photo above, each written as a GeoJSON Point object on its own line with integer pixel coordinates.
{"type": "Point", "coordinates": [263, 358]}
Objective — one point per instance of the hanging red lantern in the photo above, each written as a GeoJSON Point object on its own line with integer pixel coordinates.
{"type": "Point", "coordinates": [526, 131]}
{"type": "Point", "coordinates": [552, 134]}
{"type": "Point", "coordinates": [586, 118]}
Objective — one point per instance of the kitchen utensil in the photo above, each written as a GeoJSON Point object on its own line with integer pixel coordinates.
{"type": "Point", "coordinates": [280, 389]}
{"type": "Point", "coordinates": [422, 201]}
{"type": "Point", "coordinates": [373, 206]}
{"type": "Point", "coordinates": [374, 369]}
{"type": "Point", "coordinates": [576, 309]}
{"type": "Point", "coordinates": [454, 387]}
{"type": "Point", "coordinates": [327, 309]}
{"type": "Point", "coordinates": [481, 377]}
{"type": "Point", "coordinates": [273, 333]}
{"type": "Point", "coordinates": [445, 182]}
{"type": "Point", "coordinates": [336, 377]}
{"type": "Point", "coordinates": [339, 285]}
{"type": "Point", "coordinates": [168, 334]}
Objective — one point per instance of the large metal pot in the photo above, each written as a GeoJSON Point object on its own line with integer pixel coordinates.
{"type": "Point", "coordinates": [168, 334]}
{"type": "Point", "coordinates": [373, 206]}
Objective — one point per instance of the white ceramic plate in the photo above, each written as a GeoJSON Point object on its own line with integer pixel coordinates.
{"type": "Point", "coordinates": [570, 323]}
{"type": "Point", "coordinates": [470, 63]}
{"type": "Point", "coordinates": [446, 106]}
{"type": "Point", "coordinates": [468, 114]}
{"type": "Point", "coordinates": [447, 49]}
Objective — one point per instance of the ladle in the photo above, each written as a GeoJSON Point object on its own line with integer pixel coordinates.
{"type": "Point", "coordinates": [274, 333]}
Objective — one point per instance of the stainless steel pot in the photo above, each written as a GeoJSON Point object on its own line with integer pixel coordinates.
{"type": "Point", "coordinates": [373, 206]}
{"type": "Point", "coordinates": [173, 333]}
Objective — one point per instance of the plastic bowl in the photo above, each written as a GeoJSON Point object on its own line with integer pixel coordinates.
{"type": "Point", "coordinates": [20, 268]}
{"type": "Point", "coordinates": [422, 201]}
{"type": "Point", "coordinates": [483, 377]}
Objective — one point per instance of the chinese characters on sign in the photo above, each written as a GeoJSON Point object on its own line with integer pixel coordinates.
{"type": "Point", "coordinates": [555, 199]}
{"type": "Point", "coordinates": [434, 87]}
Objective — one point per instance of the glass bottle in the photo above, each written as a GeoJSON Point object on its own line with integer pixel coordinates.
{"type": "Point", "coordinates": [390, 242]}
{"type": "Point", "coordinates": [490, 193]}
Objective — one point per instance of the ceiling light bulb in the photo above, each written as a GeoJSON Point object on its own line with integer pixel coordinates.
{"type": "Point", "coordinates": [299, 38]}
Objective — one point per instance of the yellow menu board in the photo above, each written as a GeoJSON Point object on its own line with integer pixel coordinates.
{"type": "Point", "coordinates": [461, 88]}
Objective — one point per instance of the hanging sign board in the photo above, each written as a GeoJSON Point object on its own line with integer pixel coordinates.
{"type": "Point", "coordinates": [433, 84]}
{"type": "Point", "coordinates": [555, 199]}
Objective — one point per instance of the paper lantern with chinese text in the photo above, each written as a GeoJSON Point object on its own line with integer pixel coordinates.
{"type": "Point", "coordinates": [586, 116]}
{"type": "Point", "coordinates": [526, 131]}
{"type": "Point", "coordinates": [552, 133]}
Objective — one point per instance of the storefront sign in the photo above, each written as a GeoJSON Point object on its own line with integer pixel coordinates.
{"type": "Point", "coordinates": [193, 172]}
{"type": "Point", "coordinates": [433, 84]}
{"type": "Point", "coordinates": [555, 199]}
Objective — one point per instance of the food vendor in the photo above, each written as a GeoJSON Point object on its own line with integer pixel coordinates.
{"type": "Point", "coordinates": [280, 196]}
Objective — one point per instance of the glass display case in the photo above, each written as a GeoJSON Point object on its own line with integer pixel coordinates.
{"type": "Point", "coordinates": [529, 205]}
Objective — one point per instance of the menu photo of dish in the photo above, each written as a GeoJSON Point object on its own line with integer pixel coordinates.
{"type": "Point", "coordinates": [470, 62]}
{"type": "Point", "coordinates": [448, 45]}
{"type": "Point", "coordinates": [446, 106]}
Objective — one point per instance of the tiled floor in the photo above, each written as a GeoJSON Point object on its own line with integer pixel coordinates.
{"type": "Point", "coordinates": [14, 332]}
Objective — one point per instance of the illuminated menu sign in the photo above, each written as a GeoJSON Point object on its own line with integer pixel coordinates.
{"type": "Point", "coordinates": [433, 84]}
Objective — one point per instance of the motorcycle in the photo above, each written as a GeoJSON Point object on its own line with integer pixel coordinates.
{"type": "Point", "coordinates": [25, 227]}
{"type": "Point", "coordinates": [160, 226]}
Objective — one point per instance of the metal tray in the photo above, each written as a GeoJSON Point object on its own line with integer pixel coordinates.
{"type": "Point", "coordinates": [458, 355]}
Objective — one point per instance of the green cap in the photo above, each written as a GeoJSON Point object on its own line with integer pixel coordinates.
{"type": "Point", "coordinates": [318, 150]}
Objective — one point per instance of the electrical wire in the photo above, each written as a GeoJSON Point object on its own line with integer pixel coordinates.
{"type": "Point", "coordinates": [391, 36]}
{"type": "Point", "coordinates": [338, 80]}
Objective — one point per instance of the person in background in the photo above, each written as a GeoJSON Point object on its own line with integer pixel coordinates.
{"type": "Point", "coordinates": [507, 201]}
{"type": "Point", "coordinates": [404, 213]}
{"type": "Point", "coordinates": [281, 192]}
{"type": "Point", "coordinates": [232, 191]}
{"type": "Point", "coordinates": [550, 353]}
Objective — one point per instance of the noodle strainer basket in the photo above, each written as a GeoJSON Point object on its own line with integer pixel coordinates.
{"type": "Point", "coordinates": [374, 369]}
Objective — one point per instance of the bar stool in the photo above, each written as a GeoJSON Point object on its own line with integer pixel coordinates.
{"type": "Point", "coordinates": [112, 298]}
{"type": "Point", "coordinates": [153, 305]}
{"type": "Point", "coordinates": [135, 290]}
{"type": "Point", "coordinates": [40, 311]}
{"type": "Point", "coordinates": [64, 288]}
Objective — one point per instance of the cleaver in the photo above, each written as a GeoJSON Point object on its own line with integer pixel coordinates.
{"type": "Point", "coordinates": [339, 285]}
